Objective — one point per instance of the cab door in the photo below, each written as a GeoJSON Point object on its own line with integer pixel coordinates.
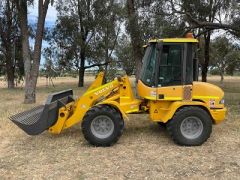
{"type": "Point", "coordinates": [170, 72]}
{"type": "Point", "coordinates": [147, 82]}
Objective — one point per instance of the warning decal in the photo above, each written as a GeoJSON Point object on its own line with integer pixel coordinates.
{"type": "Point", "coordinates": [212, 103]}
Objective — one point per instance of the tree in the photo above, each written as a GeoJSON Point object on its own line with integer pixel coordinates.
{"type": "Point", "coordinates": [124, 55]}
{"type": "Point", "coordinates": [2, 61]}
{"type": "Point", "coordinates": [78, 28]}
{"type": "Point", "coordinates": [234, 63]}
{"type": "Point", "coordinates": [147, 19]}
{"type": "Point", "coordinates": [64, 43]}
{"type": "Point", "coordinates": [106, 34]}
{"type": "Point", "coordinates": [135, 34]}
{"type": "Point", "coordinates": [223, 55]}
{"type": "Point", "coordinates": [86, 32]}
{"type": "Point", "coordinates": [204, 17]}
{"type": "Point", "coordinates": [8, 37]}
{"type": "Point", "coordinates": [31, 62]}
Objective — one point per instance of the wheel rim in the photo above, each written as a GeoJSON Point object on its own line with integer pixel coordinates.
{"type": "Point", "coordinates": [102, 126]}
{"type": "Point", "coordinates": [191, 127]}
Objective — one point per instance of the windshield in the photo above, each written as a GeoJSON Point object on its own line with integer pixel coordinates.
{"type": "Point", "coordinates": [148, 69]}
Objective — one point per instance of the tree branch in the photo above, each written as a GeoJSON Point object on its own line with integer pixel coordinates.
{"type": "Point", "coordinates": [98, 64]}
{"type": "Point", "coordinates": [204, 24]}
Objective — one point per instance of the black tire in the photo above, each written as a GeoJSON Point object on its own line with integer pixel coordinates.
{"type": "Point", "coordinates": [109, 113]}
{"type": "Point", "coordinates": [162, 124]}
{"type": "Point", "coordinates": [176, 126]}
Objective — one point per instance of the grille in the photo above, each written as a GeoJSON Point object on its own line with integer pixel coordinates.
{"type": "Point", "coordinates": [28, 117]}
{"type": "Point", "coordinates": [187, 93]}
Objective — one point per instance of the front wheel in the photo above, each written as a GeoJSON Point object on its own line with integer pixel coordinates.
{"type": "Point", "coordinates": [190, 126]}
{"type": "Point", "coordinates": [102, 125]}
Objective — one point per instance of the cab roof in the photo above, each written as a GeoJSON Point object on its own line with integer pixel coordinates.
{"type": "Point", "coordinates": [172, 40]}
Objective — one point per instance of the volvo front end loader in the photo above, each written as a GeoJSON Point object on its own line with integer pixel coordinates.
{"type": "Point", "coordinates": [167, 90]}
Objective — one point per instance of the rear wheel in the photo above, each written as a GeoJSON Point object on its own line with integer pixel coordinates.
{"type": "Point", "coordinates": [102, 125]}
{"type": "Point", "coordinates": [190, 126]}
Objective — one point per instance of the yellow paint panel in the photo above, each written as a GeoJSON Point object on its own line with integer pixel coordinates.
{"type": "Point", "coordinates": [218, 115]}
{"type": "Point", "coordinates": [208, 93]}
{"type": "Point", "coordinates": [58, 126]}
{"type": "Point", "coordinates": [116, 105]}
{"type": "Point", "coordinates": [173, 93]}
{"type": "Point", "coordinates": [149, 97]}
{"type": "Point", "coordinates": [98, 81]}
{"type": "Point", "coordinates": [172, 40]}
{"type": "Point", "coordinates": [145, 91]}
{"type": "Point", "coordinates": [204, 97]}
{"type": "Point", "coordinates": [163, 111]}
{"type": "Point", "coordinates": [173, 98]}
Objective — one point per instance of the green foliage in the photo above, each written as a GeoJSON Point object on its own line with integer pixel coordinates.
{"type": "Point", "coordinates": [233, 64]}
{"type": "Point", "coordinates": [108, 23]}
{"type": "Point", "coordinates": [85, 34]}
{"type": "Point", "coordinates": [214, 71]}
{"type": "Point", "coordinates": [11, 61]}
{"type": "Point", "coordinates": [124, 55]}
{"type": "Point", "coordinates": [225, 56]}
{"type": "Point", "coordinates": [99, 31]}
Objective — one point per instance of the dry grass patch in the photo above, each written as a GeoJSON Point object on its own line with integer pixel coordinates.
{"type": "Point", "coordinates": [144, 150]}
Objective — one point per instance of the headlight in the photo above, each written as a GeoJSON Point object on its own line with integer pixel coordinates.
{"type": "Point", "coordinates": [221, 101]}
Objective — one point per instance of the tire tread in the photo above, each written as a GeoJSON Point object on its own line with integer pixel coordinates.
{"type": "Point", "coordinates": [172, 129]}
{"type": "Point", "coordinates": [99, 109]}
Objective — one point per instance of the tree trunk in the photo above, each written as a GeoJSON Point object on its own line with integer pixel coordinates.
{"type": "Point", "coordinates": [9, 69]}
{"type": "Point", "coordinates": [84, 34]}
{"type": "Point", "coordinates": [31, 81]}
{"type": "Point", "coordinates": [29, 90]}
{"type": "Point", "coordinates": [222, 77]}
{"type": "Point", "coordinates": [204, 72]}
{"type": "Point", "coordinates": [135, 35]}
{"type": "Point", "coordinates": [106, 60]}
{"type": "Point", "coordinates": [81, 70]}
{"type": "Point", "coordinates": [10, 78]}
{"type": "Point", "coordinates": [81, 77]}
{"type": "Point", "coordinates": [205, 64]}
{"type": "Point", "coordinates": [31, 69]}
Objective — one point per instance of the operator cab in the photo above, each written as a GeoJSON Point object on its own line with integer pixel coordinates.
{"type": "Point", "coordinates": [168, 65]}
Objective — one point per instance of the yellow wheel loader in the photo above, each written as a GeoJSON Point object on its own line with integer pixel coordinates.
{"type": "Point", "coordinates": [167, 90]}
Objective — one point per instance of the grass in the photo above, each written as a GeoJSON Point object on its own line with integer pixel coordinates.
{"type": "Point", "coordinates": [143, 152]}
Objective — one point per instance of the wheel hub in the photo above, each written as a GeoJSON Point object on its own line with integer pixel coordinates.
{"type": "Point", "coordinates": [102, 126]}
{"type": "Point", "coordinates": [191, 127]}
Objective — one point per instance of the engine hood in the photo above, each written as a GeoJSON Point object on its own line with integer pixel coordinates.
{"type": "Point", "coordinates": [209, 93]}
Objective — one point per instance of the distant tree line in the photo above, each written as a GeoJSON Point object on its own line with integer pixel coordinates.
{"type": "Point", "coordinates": [109, 34]}
{"type": "Point", "coordinates": [225, 57]}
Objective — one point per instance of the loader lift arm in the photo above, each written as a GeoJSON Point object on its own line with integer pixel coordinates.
{"type": "Point", "coordinates": [61, 111]}
{"type": "Point", "coordinates": [117, 93]}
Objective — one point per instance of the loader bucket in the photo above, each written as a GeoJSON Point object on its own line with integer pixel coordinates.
{"type": "Point", "coordinates": [40, 118]}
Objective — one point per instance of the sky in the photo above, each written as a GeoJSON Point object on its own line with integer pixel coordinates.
{"type": "Point", "coordinates": [49, 22]}
{"type": "Point", "coordinates": [50, 18]}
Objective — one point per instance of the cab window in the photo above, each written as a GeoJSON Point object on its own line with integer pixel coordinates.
{"type": "Point", "coordinates": [149, 66]}
{"type": "Point", "coordinates": [170, 71]}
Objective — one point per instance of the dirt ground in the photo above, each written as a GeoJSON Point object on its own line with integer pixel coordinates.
{"type": "Point", "coordinates": [145, 151]}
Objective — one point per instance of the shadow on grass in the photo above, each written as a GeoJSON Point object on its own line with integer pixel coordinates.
{"type": "Point", "coordinates": [74, 137]}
